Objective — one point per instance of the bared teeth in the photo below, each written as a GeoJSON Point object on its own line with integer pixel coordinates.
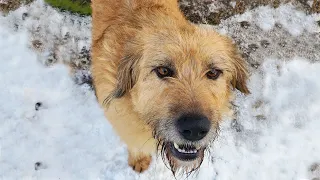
{"type": "Point", "coordinates": [176, 145]}
{"type": "Point", "coordinates": [184, 149]}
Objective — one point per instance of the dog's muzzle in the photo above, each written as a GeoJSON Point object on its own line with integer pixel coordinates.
{"type": "Point", "coordinates": [192, 128]}
{"type": "Point", "coordinates": [185, 152]}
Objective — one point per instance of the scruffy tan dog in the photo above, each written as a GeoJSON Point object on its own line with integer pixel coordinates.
{"type": "Point", "coordinates": [164, 83]}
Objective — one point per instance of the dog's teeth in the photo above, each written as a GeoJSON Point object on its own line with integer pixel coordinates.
{"type": "Point", "coordinates": [190, 151]}
{"type": "Point", "coordinates": [176, 146]}
{"type": "Point", "coordinates": [184, 150]}
{"type": "Point", "coordinates": [180, 150]}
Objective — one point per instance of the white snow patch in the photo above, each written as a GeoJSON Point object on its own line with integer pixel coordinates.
{"type": "Point", "coordinates": [3, 1]}
{"type": "Point", "coordinates": [213, 7]}
{"type": "Point", "coordinates": [68, 135]}
{"type": "Point", "coordinates": [233, 4]}
{"type": "Point", "coordinates": [310, 2]}
{"type": "Point", "coordinates": [285, 143]}
{"type": "Point", "coordinates": [62, 33]}
{"type": "Point", "coordinates": [265, 18]}
{"type": "Point", "coordinates": [295, 22]}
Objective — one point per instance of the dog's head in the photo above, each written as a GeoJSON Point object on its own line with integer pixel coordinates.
{"type": "Point", "coordinates": [180, 81]}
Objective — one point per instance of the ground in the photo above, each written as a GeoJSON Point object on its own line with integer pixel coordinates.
{"type": "Point", "coordinates": [53, 128]}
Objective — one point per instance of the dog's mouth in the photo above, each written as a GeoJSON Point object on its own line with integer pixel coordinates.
{"type": "Point", "coordinates": [184, 152]}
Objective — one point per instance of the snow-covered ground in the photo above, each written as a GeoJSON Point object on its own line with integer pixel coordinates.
{"type": "Point", "coordinates": [53, 128]}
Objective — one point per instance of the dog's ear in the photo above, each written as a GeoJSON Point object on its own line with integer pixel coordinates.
{"type": "Point", "coordinates": [127, 75]}
{"type": "Point", "coordinates": [240, 76]}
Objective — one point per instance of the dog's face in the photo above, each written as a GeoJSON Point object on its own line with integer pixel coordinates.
{"type": "Point", "coordinates": [180, 82]}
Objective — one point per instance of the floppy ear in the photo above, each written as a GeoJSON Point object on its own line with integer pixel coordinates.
{"type": "Point", "coordinates": [127, 75]}
{"type": "Point", "coordinates": [240, 76]}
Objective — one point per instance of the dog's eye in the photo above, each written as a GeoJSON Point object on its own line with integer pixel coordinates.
{"type": "Point", "coordinates": [214, 74]}
{"type": "Point", "coordinates": [163, 72]}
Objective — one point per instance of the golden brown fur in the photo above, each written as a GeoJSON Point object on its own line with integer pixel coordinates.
{"type": "Point", "coordinates": [132, 37]}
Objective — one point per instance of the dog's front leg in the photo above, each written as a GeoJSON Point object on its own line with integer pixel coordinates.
{"type": "Point", "coordinates": [133, 132]}
{"type": "Point", "coordinates": [139, 161]}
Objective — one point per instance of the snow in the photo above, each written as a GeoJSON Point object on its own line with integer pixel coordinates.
{"type": "Point", "coordinates": [284, 143]}
{"type": "Point", "coordinates": [68, 135]}
{"type": "Point", "coordinates": [295, 22]}
{"type": "Point", "coordinates": [63, 134]}
{"type": "Point", "coordinates": [265, 34]}
{"type": "Point", "coordinates": [275, 136]}
{"type": "Point", "coordinates": [3, 1]}
{"type": "Point", "coordinates": [61, 34]}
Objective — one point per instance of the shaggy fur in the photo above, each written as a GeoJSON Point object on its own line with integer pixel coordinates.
{"type": "Point", "coordinates": [130, 38]}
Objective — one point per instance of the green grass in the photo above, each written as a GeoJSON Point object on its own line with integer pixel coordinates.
{"type": "Point", "coordinates": [75, 6]}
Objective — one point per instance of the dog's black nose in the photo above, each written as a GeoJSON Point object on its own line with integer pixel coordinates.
{"type": "Point", "coordinates": [193, 127]}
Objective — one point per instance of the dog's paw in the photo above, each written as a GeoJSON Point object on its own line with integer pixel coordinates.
{"type": "Point", "coordinates": [139, 163]}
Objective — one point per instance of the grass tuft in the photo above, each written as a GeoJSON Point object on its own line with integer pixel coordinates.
{"type": "Point", "coordinates": [81, 7]}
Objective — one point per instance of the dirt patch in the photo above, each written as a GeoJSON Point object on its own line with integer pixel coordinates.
{"type": "Point", "coordinates": [10, 5]}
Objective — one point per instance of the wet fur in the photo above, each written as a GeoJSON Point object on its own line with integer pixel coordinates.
{"type": "Point", "coordinates": [129, 39]}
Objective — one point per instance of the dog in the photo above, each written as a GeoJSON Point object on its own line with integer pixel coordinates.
{"type": "Point", "coordinates": [164, 83]}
